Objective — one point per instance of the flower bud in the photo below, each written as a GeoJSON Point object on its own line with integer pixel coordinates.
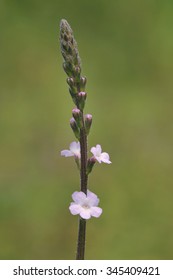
{"type": "Point", "coordinates": [77, 70]}
{"type": "Point", "coordinates": [77, 115]}
{"type": "Point", "coordinates": [81, 100]}
{"type": "Point", "coordinates": [71, 82]}
{"type": "Point", "coordinates": [67, 68]}
{"type": "Point", "coordinates": [88, 122]}
{"type": "Point", "coordinates": [69, 50]}
{"type": "Point", "coordinates": [90, 163]}
{"type": "Point", "coordinates": [75, 128]}
{"type": "Point", "coordinates": [83, 81]}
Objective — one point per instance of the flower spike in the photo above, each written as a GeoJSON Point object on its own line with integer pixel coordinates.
{"type": "Point", "coordinates": [85, 203]}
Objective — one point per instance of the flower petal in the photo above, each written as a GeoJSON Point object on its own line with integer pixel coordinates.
{"type": "Point", "coordinates": [92, 199]}
{"type": "Point", "coordinates": [96, 211]}
{"type": "Point", "coordinates": [96, 151]}
{"type": "Point", "coordinates": [74, 208]}
{"type": "Point", "coordinates": [105, 158]}
{"type": "Point", "coordinates": [85, 214]}
{"type": "Point", "coordinates": [66, 153]}
{"type": "Point", "coordinates": [99, 149]}
{"type": "Point", "coordinates": [74, 146]}
{"type": "Point", "coordinates": [93, 150]}
{"type": "Point", "coordinates": [79, 197]}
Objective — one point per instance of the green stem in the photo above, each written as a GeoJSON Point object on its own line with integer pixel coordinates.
{"type": "Point", "coordinates": [81, 240]}
{"type": "Point", "coordinates": [72, 67]}
{"type": "Point", "coordinates": [83, 147]}
{"type": "Point", "coordinates": [83, 184]}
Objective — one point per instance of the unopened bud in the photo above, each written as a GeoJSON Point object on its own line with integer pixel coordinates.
{"type": "Point", "coordinates": [75, 128]}
{"type": "Point", "coordinates": [77, 115]}
{"type": "Point", "coordinates": [77, 70]}
{"type": "Point", "coordinates": [83, 81]}
{"type": "Point", "coordinates": [88, 122]}
{"type": "Point", "coordinates": [70, 82]}
{"type": "Point", "coordinates": [81, 100]}
{"type": "Point", "coordinates": [67, 68]}
{"type": "Point", "coordinates": [90, 163]}
{"type": "Point", "coordinates": [69, 49]}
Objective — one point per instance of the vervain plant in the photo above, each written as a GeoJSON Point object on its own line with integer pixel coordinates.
{"type": "Point", "coordinates": [85, 203]}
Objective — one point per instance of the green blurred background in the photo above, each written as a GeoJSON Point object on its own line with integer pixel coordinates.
{"type": "Point", "coordinates": [126, 49]}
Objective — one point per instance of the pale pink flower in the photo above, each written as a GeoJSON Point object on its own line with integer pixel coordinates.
{"type": "Point", "coordinates": [85, 205]}
{"type": "Point", "coordinates": [74, 150]}
{"type": "Point", "coordinates": [99, 156]}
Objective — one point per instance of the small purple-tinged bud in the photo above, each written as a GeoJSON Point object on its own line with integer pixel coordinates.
{"type": "Point", "coordinates": [90, 163]}
{"type": "Point", "coordinates": [75, 128]}
{"type": "Point", "coordinates": [81, 100]}
{"type": "Point", "coordinates": [77, 70]}
{"type": "Point", "coordinates": [77, 115]}
{"type": "Point", "coordinates": [83, 81]}
{"type": "Point", "coordinates": [67, 69]}
{"type": "Point", "coordinates": [82, 94]}
{"type": "Point", "coordinates": [71, 82]}
{"type": "Point", "coordinates": [88, 122]}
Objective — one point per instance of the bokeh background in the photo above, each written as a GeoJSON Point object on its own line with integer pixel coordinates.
{"type": "Point", "coordinates": [126, 49]}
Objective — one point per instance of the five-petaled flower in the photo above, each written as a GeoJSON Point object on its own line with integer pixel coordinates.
{"type": "Point", "coordinates": [74, 150]}
{"type": "Point", "coordinates": [85, 205]}
{"type": "Point", "coordinates": [99, 156]}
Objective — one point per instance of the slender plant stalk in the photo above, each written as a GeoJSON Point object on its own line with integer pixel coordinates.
{"type": "Point", "coordinates": [83, 180]}
{"type": "Point", "coordinates": [81, 240]}
{"type": "Point", "coordinates": [83, 145]}
{"type": "Point", "coordinates": [72, 67]}
{"type": "Point", "coordinates": [85, 202]}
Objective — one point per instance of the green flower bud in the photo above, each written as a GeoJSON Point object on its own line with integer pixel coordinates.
{"type": "Point", "coordinates": [69, 50]}
{"type": "Point", "coordinates": [90, 164]}
{"type": "Point", "coordinates": [67, 68]}
{"type": "Point", "coordinates": [71, 82]}
{"type": "Point", "coordinates": [81, 100]}
{"type": "Point", "coordinates": [83, 81]}
{"type": "Point", "coordinates": [75, 128]}
{"type": "Point", "coordinates": [77, 115]}
{"type": "Point", "coordinates": [88, 122]}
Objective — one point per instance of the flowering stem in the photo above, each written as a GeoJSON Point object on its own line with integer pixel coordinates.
{"type": "Point", "coordinates": [72, 67]}
{"type": "Point", "coordinates": [85, 202]}
{"type": "Point", "coordinates": [83, 185]}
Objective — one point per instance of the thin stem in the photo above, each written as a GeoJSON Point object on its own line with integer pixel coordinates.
{"type": "Point", "coordinates": [72, 67]}
{"type": "Point", "coordinates": [81, 240]}
{"type": "Point", "coordinates": [83, 147]}
{"type": "Point", "coordinates": [83, 184]}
